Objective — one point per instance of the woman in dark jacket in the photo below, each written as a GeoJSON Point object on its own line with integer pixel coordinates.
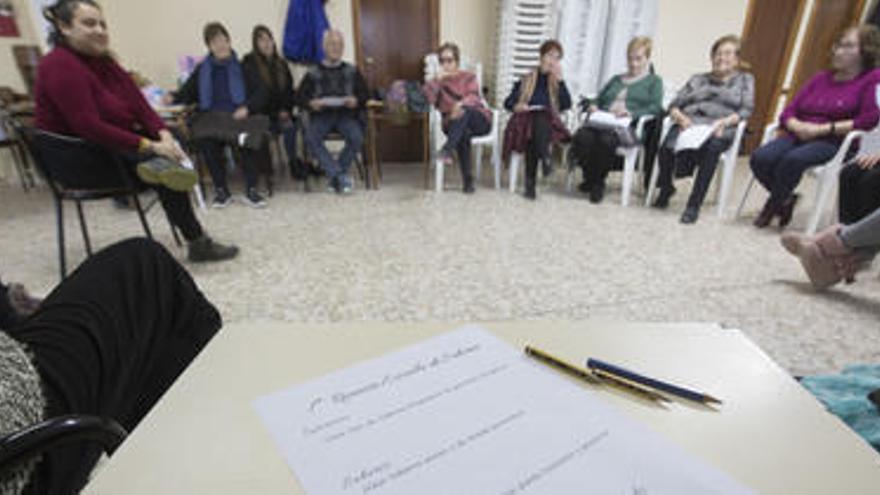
{"type": "Point", "coordinates": [227, 116]}
{"type": "Point", "coordinates": [537, 100]}
{"type": "Point", "coordinates": [266, 70]}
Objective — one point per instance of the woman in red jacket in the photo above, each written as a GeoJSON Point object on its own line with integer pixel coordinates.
{"type": "Point", "coordinates": [456, 93]}
{"type": "Point", "coordinates": [81, 91]}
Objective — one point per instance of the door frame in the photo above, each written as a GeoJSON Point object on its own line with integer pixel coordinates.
{"type": "Point", "coordinates": [434, 5]}
{"type": "Point", "coordinates": [778, 85]}
{"type": "Point", "coordinates": [798, 78]}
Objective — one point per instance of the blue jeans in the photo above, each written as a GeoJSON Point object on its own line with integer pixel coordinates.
{"type": "Point", "coordinates": [321, 124]}
{"type": "Point", "coordinates": [780, 164]}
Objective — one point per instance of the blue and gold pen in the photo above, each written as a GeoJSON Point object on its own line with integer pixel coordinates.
{"type": "Point", "coordinates": [594, 376]}
{"type": "Point", "coordinates": [596, 365]}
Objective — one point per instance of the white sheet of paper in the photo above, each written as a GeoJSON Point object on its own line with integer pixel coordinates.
{"type": "Point", "coordinates": [333, 101]}
{"type": "Point", "coordinates": [536, 108]}
{"type": "Point", "coordinates": [465, 413]}
{"type": "Point", "coordinates": [608, 118]}
{"type": "Point", "coordinates": [869, 144]}
{"type": "Point", "coordinates": [693, 137]}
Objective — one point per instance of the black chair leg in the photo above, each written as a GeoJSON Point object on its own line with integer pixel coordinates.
{"type": "Point", "coordinates": [59, 216]}
{"type": "Point", "coordinates": [140, 212]}
{"type": "Point", "coordinates": [19, 169]}
{"type": "Point", "coordinates": [28, 166]}
{"type": "Point", "coordinates": [174, 233]}
{"type": "Point", "coordinates": [84, 228]}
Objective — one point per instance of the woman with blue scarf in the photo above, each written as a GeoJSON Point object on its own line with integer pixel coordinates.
{"type": "Point", "coordinates": [226, 115]}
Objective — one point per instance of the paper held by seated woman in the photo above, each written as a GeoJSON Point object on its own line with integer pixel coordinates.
{"type": "Point", "coordinates": [693, 137]}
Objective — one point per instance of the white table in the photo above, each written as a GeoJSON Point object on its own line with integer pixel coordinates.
{"type": "Point", "coordinates": [204, 437]}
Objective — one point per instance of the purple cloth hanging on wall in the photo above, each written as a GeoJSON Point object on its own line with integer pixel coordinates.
{"type": "Point", "coordinates": [304, 31]}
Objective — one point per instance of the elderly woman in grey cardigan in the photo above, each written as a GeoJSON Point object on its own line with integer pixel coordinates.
{"type": "Point", "coordinates": [722, 99]}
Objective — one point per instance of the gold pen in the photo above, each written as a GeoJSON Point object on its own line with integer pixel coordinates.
{"type": "Point", "coordinates": [594, 376]}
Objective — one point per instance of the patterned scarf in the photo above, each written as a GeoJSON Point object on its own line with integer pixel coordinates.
{"type": "Point", "coordinates": [530, 80]}
{"type": "Point", "coordinates": [233, 73]}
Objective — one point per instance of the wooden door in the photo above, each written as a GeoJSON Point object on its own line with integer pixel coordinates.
{"type": "Point", "coordinates": [392, 37]}
{"type": "Point", "coordinates": [768, 38]}
{"type": "Point", "coordinates": [827, 19]}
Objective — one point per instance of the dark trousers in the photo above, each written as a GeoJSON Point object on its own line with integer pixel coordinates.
{"type": "Point", "coordinates": [780, 164]}
{"type": "Point", "coordinates": [458, 137]}
{"type": "Point", "coordinates": [177, 205]}
{"type": "Point", "coordinates": [859, 193]}
{"type": "Point", "coordinates": [212, 131]}
{"type": "Point", "coordinates": [288, 131]}
{"type": "Point", "coordinates": [217, 163]}
{"type": "Point", "coordinates": [651, 141]}
{"type": "Point", "coordinates": [704, 159]}
{"type": "Point", "coordinates": [344, 122]}
{"type": "Point", "coordinates": [539, 147]}
{"type": "Point", "coordinates": [109, 341]}
{"type": "Point", "coordinates": [595, 151]}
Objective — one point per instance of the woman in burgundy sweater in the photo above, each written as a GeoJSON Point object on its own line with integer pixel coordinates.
{"type": "Point", "coordinates": [830, 105]}
{"type": "Point", "coordinates": [456, 93]}
{"type": "Point", "coordinates": [81, 91]}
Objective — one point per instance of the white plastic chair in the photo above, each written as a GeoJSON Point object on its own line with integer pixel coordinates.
{"type": "Point", "coordinates": [632, 157]}
{"type": "Point", "coordinates": [827, 175]}
{"type": "Point", "coordinates": [477, 142]}
{"type": "Point", "coordinates": [728, 166]}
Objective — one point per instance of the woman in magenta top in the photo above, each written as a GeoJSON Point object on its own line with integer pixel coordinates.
{"type": "Point", "coordinates": [830, 105]}
{"type": "Point", "coordinates": [456, 93]}
{"type": "Point", "coordinates": [82, 92]}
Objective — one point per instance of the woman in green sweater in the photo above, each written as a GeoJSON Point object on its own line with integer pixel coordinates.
{"type": "Point", "coordinates": [636, 93]}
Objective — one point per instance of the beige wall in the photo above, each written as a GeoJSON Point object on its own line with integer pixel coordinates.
{"type": "Point", "coordinates": [175, 28]}
{"type": "Point", "coordinates": [9, 75]}
{"type": "Point", "coordinates": [150, 35]}
{"type": "Point", "coordinates": [686, 30]}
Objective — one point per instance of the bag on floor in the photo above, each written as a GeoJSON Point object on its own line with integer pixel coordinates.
{"type": "Point", "coordinates": [416, 99]}
{"type": "Point", "coordinates": [396, 97]}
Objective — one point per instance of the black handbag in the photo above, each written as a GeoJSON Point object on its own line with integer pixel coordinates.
{"type": "Point", "coordinates": [625, 135]}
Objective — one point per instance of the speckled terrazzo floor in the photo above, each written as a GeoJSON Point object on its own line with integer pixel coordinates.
{"type": "Point", "coordinates": [405, 254]}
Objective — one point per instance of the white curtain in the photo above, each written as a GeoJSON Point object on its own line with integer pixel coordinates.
{"type": "Point", "coordinates": [581, 30]}
{"type": "Point", "coordinates": [626, 20]}
{"type": "Point", "coordinates": [594, 34]}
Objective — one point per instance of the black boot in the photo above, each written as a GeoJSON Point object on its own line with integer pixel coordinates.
{"type": "Point", "coordinates": [531, 193]}
{"type": "Point", "coordinates": [204, 249]}
{"type": "Point", "coordinates": [546, 167]}
{"type": "Point", "coordinates": [690, 215]}
{"type": "Point", "coordinates": [663, 199]}
{"type": "Point", "coordinates": [597, 192]}
{"type": "Point", "coordinates": [468, 185]}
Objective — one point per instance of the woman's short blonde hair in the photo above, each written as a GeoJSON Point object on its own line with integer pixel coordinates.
{"type": "Point", "coordinates": [638, 43]}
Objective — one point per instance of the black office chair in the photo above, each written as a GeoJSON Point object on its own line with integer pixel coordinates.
{"type": "Point", "coordinates": [32, 441]}
{"type": "Point", "coordinates": [48, 149]}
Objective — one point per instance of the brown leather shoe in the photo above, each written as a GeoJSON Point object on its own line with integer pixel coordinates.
{"type": "Point", "coordinates": [786, 211]}
{"type": "Point", "coordinates": [767, 213]}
